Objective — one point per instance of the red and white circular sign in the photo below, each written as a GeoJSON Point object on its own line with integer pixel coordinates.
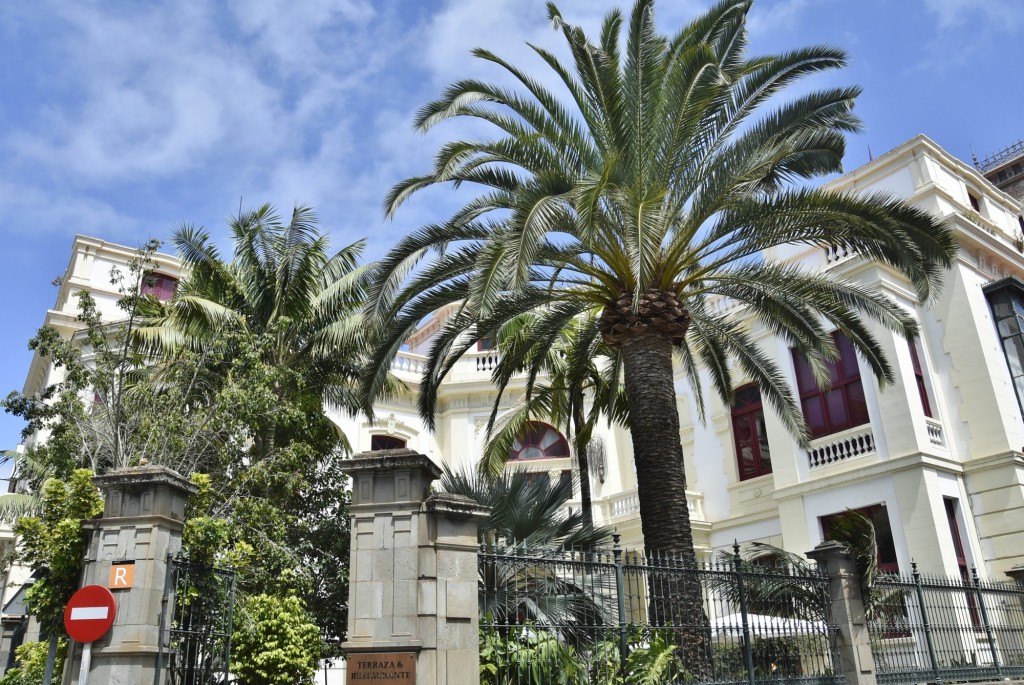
{"type": "Point", "coordinates": [90, 613]}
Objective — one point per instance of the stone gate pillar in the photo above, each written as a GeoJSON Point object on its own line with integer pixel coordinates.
{"type": "Point", "coordinates": [413, 615]}
{"type": "Point", "coordinates": [143, 516]}
{"type": "Point", "coordinates": [848, 612]}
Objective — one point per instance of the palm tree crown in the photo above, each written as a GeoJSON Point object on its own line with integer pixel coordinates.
{"type": "Point", "coordinates": [661, 183]}
{"type": "Point", "coordinates": [282, 283]}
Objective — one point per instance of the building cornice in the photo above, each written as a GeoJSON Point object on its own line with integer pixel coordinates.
{"type": "Point", "coordinates": [868, 472]}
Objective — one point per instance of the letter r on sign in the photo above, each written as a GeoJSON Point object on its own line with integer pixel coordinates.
{"type": "Point", "coordinates": [122, 576]}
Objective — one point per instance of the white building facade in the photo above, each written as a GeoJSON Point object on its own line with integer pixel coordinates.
{"type": "Point", "coordinates": [936, 460]}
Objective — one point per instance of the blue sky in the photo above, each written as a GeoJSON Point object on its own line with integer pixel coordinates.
{"type": "Point", "coordinates": [123, 120]}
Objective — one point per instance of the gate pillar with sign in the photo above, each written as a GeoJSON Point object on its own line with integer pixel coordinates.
{"type": "Point", "coordinates": [413, 616]}
{"type": "Point", "coordinates": [143, 516]}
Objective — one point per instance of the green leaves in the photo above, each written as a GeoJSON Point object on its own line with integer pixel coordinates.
{"type": "Point", "coordinates": [53, 543]}
{"type": "Point", "coordinates": [274, 642]}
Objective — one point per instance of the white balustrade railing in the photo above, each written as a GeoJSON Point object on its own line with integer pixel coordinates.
{"type": "Point", "coordinates": [835, 253]}
{"type": "Point", "coordinates": [483, 361]}
{"type": "Point", "coordinates": [408, 362]}
{"type": "Point", "coordinates": [626, 504]}
{"type": "Point", "coordinates": [850, 444]}
{"type": "Point", "coordinates": [719, 304]}
{"type": "Point", "coordinates": [936, 436]}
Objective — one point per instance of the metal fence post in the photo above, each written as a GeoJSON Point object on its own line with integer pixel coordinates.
{"type": "Point", "coordinates": [926, 625]}
{"type": "Point", "coordinates": [621, 593]}
{"type": "Point", "coordinates": [748, 647]}
{"type": "Point", "coordinates": [985, 622]}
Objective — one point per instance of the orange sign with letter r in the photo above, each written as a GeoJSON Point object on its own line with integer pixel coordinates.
{"type": "Point", "coordinates": [122, 576]}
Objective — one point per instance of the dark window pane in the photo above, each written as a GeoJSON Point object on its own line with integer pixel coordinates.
{"type": "Point", "coordinates": [848, 358]}
{"type": "Point", "coordinates": [837, 414]}
{"type": "Point", "coordinates": [747, 396]}
{"type": "Point", "coordinates": [1014, 350]}
{"type": "Point", "coordinates": [385, 442]}
{"type": "Point", "coordinates": [762, 443]}
{"type": "Point", "coordinates": [804, 377]}
{"type": "Point", "coordinates": [857, 405]}
{"type": "Point", "coordinates": [814, 414]}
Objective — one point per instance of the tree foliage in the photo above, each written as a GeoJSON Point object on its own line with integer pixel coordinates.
{"type": "Point", "coordinates": [53, 544]}
{"type": "Point", "coordinates": [30, 663]}
{"type": "Point", "coordinates": [225, 382]}
{"type": "Point", "coordinates": [274, 642]}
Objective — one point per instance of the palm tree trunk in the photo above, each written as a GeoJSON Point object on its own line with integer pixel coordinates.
{"type": "Point", "coordinates": [675, 596]}
{"type": "Point", "coordinates": [583, 462]}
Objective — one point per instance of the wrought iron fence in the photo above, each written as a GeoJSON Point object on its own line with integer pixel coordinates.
{"type": "Point", "coordinates": [927, 629]}
{"type": "Point", "coordinates": [195, 626]}
{"type": "Point", "coordinates": [608, 616]}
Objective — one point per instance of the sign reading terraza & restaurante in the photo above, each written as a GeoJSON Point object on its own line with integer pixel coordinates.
{"type": "Point", "coordinates": [396, 668]}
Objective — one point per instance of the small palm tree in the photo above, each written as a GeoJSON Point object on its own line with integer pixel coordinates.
{"type": "Point", "coordinates": [572, 381]}
{"type": "Point", "coordinates": [529, 541]}
{"type": "Point", "coordinates": [281, 284]}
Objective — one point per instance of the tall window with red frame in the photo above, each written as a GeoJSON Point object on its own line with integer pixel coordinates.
{"type": "Point", "coordinates": [922, 388]}
{"type": "Point", "coordinates": [840, 407]}
{"type": "Point", "coordinates": [752, 454]}
{"type": "Point", "coordinates": [160, 286]}
{"type": "Point", "coordinates": [961, 559]}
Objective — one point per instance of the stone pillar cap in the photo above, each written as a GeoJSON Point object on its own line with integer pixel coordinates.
{"type": "Point", "coordinates": [456, 505]}
{"type": "Point", "coordinates": [829, 549]}
{"type": "Point", "coordinates": [144, 475]}
{"type": "Point", "coordinates": [391, 460]}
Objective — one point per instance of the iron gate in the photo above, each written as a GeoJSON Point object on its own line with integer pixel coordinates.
{"type": "Point", "coordinates": [195, 625]}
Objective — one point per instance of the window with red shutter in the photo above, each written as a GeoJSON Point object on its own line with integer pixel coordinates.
{"type": "Point", "coordinates": [752, 453]}
{"type": "Point", "coordinates": [843, 405]}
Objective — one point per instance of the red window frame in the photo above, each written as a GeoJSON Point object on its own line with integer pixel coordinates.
{"type": "Point", "coordinates": [843, 405]}
{"type": "Point", "coordinates": [950, 505]}
{"type": "Point", "coordinates": [160, 286]}
{"type": "Point", "coordinates": [753, 457]}
{"type": "Point", "coordinates": [533, 438]}
{"type": "Point", "coordinates": [922, 388]}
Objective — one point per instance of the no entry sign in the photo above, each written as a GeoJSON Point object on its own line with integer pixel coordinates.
{"type": "Point", "coordinates": [90, 613]}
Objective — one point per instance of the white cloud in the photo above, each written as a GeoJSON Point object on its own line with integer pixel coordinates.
{"type": "Point", "coordinates": [998, 14]}
{"type": "Point", "coordinates": [781, 15]}
{"type": "Point", "coordinates": [160, 90]}
{"type": "Point", "coordinates": [62, 211]}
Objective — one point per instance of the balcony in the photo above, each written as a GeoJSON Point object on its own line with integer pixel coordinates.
{"type": "Point", "coordinates": [935, 433]}
{"type": "Point", "coordinates": [475, 365]}
{"type": "Point", "coordinates": [849, 444]}
{"type": "Point", "coordinates": [625, 506]}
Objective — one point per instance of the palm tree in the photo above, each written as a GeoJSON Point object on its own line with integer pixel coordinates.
{"type": "Point", "coordinates": [572, 383]}
{"type": "Point", "coordinates": [529, 541]}
{"type": "Point", "coordinates": [282, 285]}
{"type": "Point", "coordinates": [660, 185]}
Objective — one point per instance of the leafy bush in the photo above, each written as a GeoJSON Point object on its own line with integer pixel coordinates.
{"type": "Point", "coordinates": [31, 662]}
{"type": "Point", "coordinates": [275, 642]}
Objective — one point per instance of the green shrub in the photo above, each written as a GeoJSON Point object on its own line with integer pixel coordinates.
{"type": "Point", "coordinates": [30, 663]}
{"type": "Point", "coordinates": [275, 642]}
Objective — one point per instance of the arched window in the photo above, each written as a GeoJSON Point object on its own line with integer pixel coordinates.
{"type": "Point", "coordinates": [539, 441]}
